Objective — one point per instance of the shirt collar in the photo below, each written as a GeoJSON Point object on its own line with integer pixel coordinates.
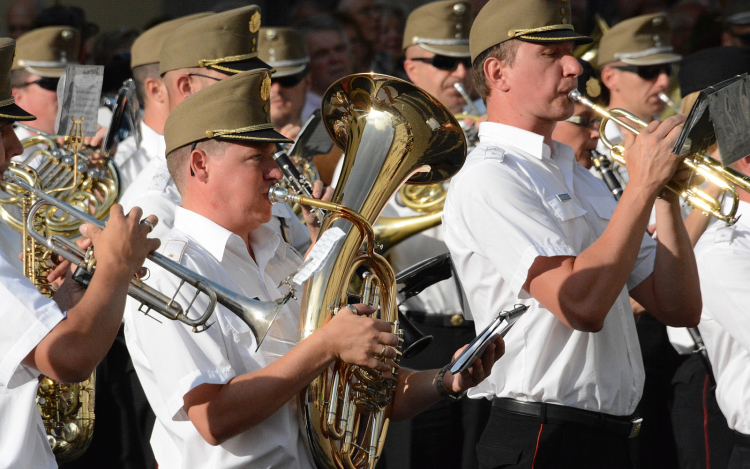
{"type": "Point", "coordinates": [743, 211]}
{"type": "Point", "coordinates": [506, 135]}
{"type": "Point", "coordinates": [216, 239]}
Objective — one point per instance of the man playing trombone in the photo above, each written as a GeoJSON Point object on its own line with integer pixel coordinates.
{"type": "Point", "coordinates": [219, 399]}
{"type": "Point", "coordinates": [523, 220]}
{"type": "Point", "coordinates": [61, 337]}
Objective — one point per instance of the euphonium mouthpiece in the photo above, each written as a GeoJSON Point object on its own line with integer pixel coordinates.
{"type": "Point", "coordinates": [279, 194]}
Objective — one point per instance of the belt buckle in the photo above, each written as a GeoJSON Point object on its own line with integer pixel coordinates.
{"type": "Point", "coordinates": [457, 320]}
{"type": "Point", "coordinates": [635, 427]}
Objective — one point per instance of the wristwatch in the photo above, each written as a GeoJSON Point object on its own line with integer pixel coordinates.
{"type": "Point", "coordinates": [441, 388]}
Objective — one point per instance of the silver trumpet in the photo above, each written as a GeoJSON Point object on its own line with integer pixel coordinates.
{"type": "Point", "coordinates": [258, 315]}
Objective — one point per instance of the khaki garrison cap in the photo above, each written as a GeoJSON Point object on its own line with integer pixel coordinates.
{"type": "Point", "coordinates": [540, 21]}
{"type": "Point", "coordinates": [643, 40]}
{"type": "Point", "coordinates": [146, 48]}
{"type": "Point", "coordinates": [8, 107]}
{"type": "Point", "coordinates": [234, 109]}
{"type": "Point", "coordinates": [46, 51]}
{"type": "Point", "coordinates": [284, 50]}
{"type": "Point", "coordinates": [226, 41]}
{"type": "Point", "coordinates": [440, 27]}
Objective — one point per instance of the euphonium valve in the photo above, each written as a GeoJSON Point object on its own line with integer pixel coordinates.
{"type": "Point", "coordinates": [698, 163]}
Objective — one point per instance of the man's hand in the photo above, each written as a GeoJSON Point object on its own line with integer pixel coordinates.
{"type": "Point", "coordinates": [123, 245]}
{"type": "Point", "coordinates": [322, 193]}
{"type": "Point", "coordinates": [479, 370]}
{"type": "Point", "coordinates": [357, 339]}
{"type": "Point", "coordinates": [650, 161]}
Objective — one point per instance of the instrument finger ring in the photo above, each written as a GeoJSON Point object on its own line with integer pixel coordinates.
{"type": "Point", "coordinates": [354, 310]}
{"type": "Point", "coordinates": [149, 224]}
{"type": "Point", "coordinates": [382, 353]}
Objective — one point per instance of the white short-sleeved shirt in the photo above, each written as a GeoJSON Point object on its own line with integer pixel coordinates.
{"type": "Point", "coordinates": [441, 298]}
{"type": "Point", "coordinates": [171, 360]}
{"type": "Point", "coordinates": [510, 203]}
{"type": "Point", "coordinates": [155, 192]}
{"type": "Point", "coordinates": [723, 258]}
{"type": "Point", "coordinates": [27, 317]}
{"type": "Point", "coordinates": [131, 160]}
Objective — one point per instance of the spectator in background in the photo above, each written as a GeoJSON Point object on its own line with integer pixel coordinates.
{"type": "Point", "coordinates": [330, 58]}
{"type": "Point", "coordinates": [693, 27]}
{"type": "Point", "coordinates": [112, 49]}
{"type": "Point", "coordinates": [362, 52]}
{"type": "Point", "coordinates": [21, 15]}
{"type": "Point", "coordinates": [736, 24]}
{"type": "Point", "coordinates": [388, 51]}
{"type": "Point", "coordinates": [367, 16]}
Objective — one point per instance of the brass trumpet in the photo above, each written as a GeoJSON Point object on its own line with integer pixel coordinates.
{"type": "Point", "coordinates": [699, 163]}
{"type": "Point", "coordinates": [258, 315]}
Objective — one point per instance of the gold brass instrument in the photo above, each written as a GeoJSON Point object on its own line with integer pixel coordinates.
{"type": "Point", "coordinates": [710, 169]}
{"type": "Point", "coordinates": [391, 132]}
{"type": "Point", "coordinates": [68, 175]}
{"type": "Point", "coordinates": [427, 200]}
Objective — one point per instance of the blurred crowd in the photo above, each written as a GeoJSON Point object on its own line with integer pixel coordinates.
{"type": "Point", "coordinates": [352, 36]}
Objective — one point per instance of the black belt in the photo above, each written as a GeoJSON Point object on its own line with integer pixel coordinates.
{"type": "Point", "coordinates": [627, 426]}
{"type": "Point", "coordinates": [439, 320]}
{"type": "Point", "coordinates": [742, 439]}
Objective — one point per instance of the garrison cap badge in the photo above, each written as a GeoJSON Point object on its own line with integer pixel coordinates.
{"type": "Point", "coordinates": [8, 107]}
{"type": "Point", "coordinates": [46, 51]}
{"type": "Point", "coordinates": [643, 40]}
{"type": "Point", "coordinates": [146, 48]}
{"type": "Point", "coordinates": [440, 27]}
{"type": "Point", "coordinates": [540, 21]}
{"type": "Point", "coordinates": [588, 82]}
{"type": "Point", "coordinates": [255, 22]}
{"type": "Point", "coordinates": [234, 109]}
{"type": "Point", "coordinates": [221, 41]}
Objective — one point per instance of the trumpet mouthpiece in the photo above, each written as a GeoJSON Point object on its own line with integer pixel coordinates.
{"type": "Point", "coordinates": [574, 96]}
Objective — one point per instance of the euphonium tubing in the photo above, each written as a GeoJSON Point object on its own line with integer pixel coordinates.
{"type": "Point", "coordinates": [391, 132]}
{"type": "Point", "coordinates": [711, 170]}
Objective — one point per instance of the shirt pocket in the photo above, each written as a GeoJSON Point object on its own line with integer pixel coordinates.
{"type": "Point", "coordinates": [565, 210]}
{"type": "Point", "coordinates": [603, 206]}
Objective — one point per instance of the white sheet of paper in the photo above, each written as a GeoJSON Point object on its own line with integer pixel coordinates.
{"type": "Point", "coordinates": [319, 254]}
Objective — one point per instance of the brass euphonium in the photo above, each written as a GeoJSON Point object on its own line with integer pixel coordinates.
{"type": "Point", "coordinates": [725, 178]}
{"type": "Point", "coordinates": [391, 132]}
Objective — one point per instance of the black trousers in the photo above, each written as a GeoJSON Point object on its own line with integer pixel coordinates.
{"type": "Point", "coordinates": [740, 458]}
{"type": "Point", "coordinates": [519, 441]}
{"type": "Point", "coordinates": [703, 437]}
{"type": "Point", "coordinates": [124, 419]}
{"type": "Point", "coordinates": [445, 435]}
{"type": "Point", "coordinates": [655, 446]}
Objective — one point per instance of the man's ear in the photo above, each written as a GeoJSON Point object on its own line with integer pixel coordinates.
{"type": "Point", "coordinates": [183, 85]}
{"type": "Point", "coordinates": [156, 90]}
{"type": "Point", "coordinates": [610, 78]}
{"type": "Point", "coordinates": [198, 165]}
{"type": "Point", "coordinates": [495, 75]}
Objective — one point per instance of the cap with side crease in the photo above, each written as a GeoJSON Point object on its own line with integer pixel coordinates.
{"type": "Point", "coordinates": [440, 27]}
{"type": "Point", "coordinates": [8, 107]}
{"type": "Point", "coordinates": [146, 48]}
{"type": "Point", "coordinates": [539, 21]}
{"type": "Point", "coordinates": [226, 42]}
{"type": "Point", "coordinates": [46, 51]}
{"type": "Point", "coordinates": [643, 40]}
{"type": "Point", "coordinates": [234, 109]}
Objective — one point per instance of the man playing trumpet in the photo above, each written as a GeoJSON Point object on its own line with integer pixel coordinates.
{"type": "Point", "coordinates": [218, 401]}
{"type": "Point", "coordinates": [524, 220]}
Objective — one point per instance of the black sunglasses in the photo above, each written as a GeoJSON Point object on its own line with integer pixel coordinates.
{"type": "Point", "coordinates": [289, 80]}
{"type": "Point", "coordinates": [47, 83]}
{"type": "Point", "coordinates": [443, 62]}
{"type": "Point", "coordinates": [647, 72]}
